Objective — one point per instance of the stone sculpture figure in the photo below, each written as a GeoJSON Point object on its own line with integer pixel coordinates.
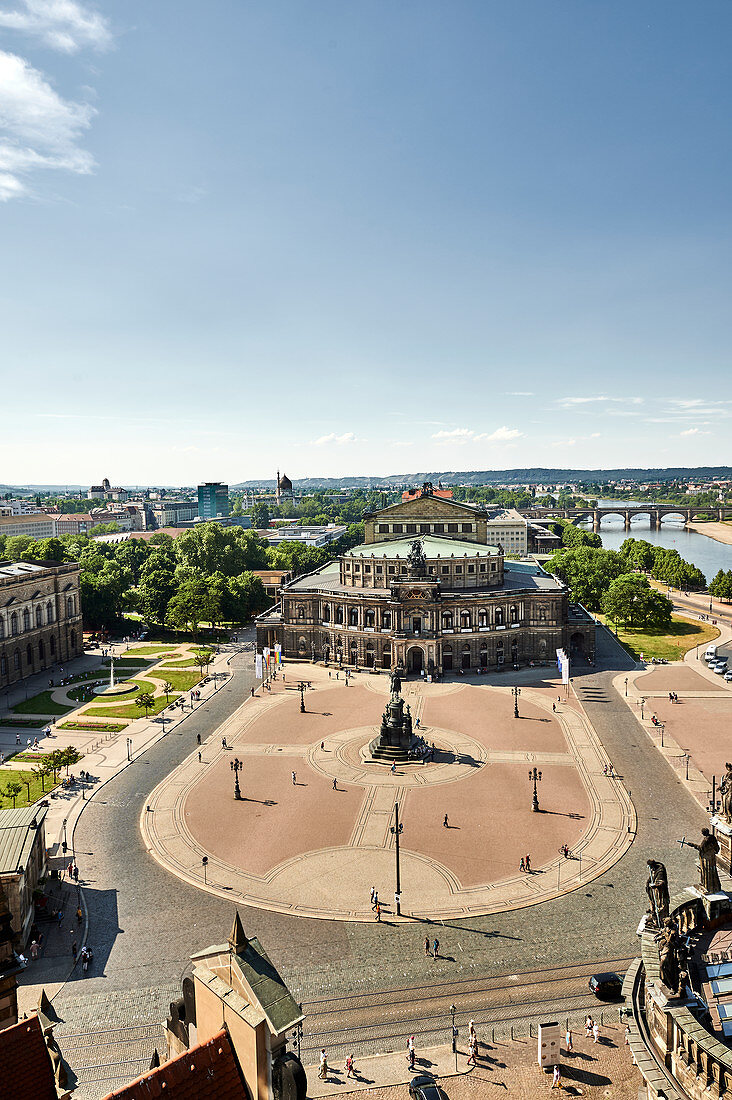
{"type": "Point", "coordinates": [709, 876]}
{"type": "Point", "coordinates": [416, 560]}
{"type": "Point", "coordinates": [657, 890]}
{"type": "Point", "coordinates": [671, 957]}
{"type": "Point", "coordinates": [396, 681]}
{"type": "Point", "coordinates": [725, 789]}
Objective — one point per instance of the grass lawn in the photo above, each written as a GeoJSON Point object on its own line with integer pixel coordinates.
{"type": "Point", "coordinates": [130, 711]}
{"type": "Point", "coordinates": [23, 777]}
{"type": "Point", "coordinates": [181, 681]}
{"type": "Point", "coordinates": [24, 723]}
{"type": "Point", "coordinates": [144, 650]}
{"type": "Point", "coordinates": [179, 664]}
{"type": "Point", "coordinates": [41, 704]}
{"type": "Point", "coordinates": [671, 642]}
{"type": "Point", "coordinates": [95, 727]}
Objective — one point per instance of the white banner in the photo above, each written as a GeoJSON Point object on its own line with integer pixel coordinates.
{"type": "Point", "coordinates": [258, 666]}
{"type": "Point", "coordinates": [565, 670]}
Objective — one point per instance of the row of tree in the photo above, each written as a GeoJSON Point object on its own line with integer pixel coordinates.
{"type": "Point", "coordinates": [612, 581]}
{"type": "Point", "coordinates": [721, 585]}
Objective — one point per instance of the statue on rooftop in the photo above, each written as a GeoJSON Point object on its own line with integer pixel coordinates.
{"type": "Point", "coordinates": [725, 789]}
{"type": "Point", "coordinates": [672, 956]}
{"type": "Point", "coordinates": [416, 560]}
{"type": "Point", "coordinates": [708, 873]}
{"type": "Point", "coordinates": [657, 890]}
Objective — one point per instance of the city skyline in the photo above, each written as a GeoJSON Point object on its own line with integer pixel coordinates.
{"type": "Point", "coordinates": [469, 236]}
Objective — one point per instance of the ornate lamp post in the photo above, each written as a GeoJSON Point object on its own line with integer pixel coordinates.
{"type": "Point", "coordinates": [64, 845]}
{"type": "Point", "coordinates": [453, 1010]}
{"type": "Point", "coordinates": [642, 704]}
{"type": "Point", "coordinates": [626, 687]}
{"type": "Point", "coordinates": [534, 777]}
{"type": "Point", "coordinates": [129, 746]}
{"type": "Point", "coordinates": [396, 831]}
{"type": "Point", "coordinates": [516, 691]}
{"type": "Point", "coordinates": [301, 689]}
{"type": "Point", "coordinates": [204, 864]}
{"type": "Point", "coordinates": [236, 766]}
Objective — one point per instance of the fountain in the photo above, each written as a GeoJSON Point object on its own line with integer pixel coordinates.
{"type": "Point", "coordinates": [111, 672]}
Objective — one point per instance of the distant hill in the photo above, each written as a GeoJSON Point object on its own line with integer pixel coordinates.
{"type": "Point", "coordinates": [534, 475]}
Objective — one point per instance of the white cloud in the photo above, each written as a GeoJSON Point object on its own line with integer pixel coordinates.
{"type": "Point", "coordinates": [467, 435]}
{"type": "Point", "coordinates": [347, 437]}
{"type": "Point", "coordinates": [520, 393]}
{"type": "Point", "coordinates": [694, 431]}
{"type": "Point", "coordinates": [63, 25]}
{"type": "Point", "coordinates": [595, 435]}
{"type": "Point", "coordinates": [38, 129]}
{"type": "Point", "coordinates": [569, 402]}
{"type": "Point", "coordinates": [564, 443]}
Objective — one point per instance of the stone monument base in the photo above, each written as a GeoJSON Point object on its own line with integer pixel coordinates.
{"type": "Point", "coordinates": [723, 833]}
{"type": "Point", "coordinates": [390, 754]}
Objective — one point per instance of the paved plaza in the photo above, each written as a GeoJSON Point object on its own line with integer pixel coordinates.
{"type": "Point", "coordinates": [315, 846]}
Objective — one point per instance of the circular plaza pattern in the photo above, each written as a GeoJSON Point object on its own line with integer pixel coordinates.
{"type": "Point", "coordinates": [316, 845]}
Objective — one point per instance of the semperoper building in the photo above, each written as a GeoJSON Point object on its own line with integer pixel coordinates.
{"type": "Point", "coordinates": [428, 591]}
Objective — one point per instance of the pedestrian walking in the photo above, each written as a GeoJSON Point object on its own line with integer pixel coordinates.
{"type": "Point", "coordinates": [445, 822]}
{"type": "Point", "coordinates": [323, 1071]}
{"type": "Point", "coordinates": [79, 915]}
{"type": "Point", "coordinates": [472, 1050]}
{"type": "Point", "coordinates": [199, 757]}
{"type": "Point", "coordinates": [322, 745]}
{"type": "Point", "coordinates": [522, 865]}
{"type": "Point", "coordinates": [528, 862]}
{"type": "Point", "coordinates": [198, 739]}
{"type": "Point", "coordinates": [393, 768]}
{"type": "Point", "coordinates": [427, 946]}
{"type": "Point", "coordinates": [588, 1025]}
{"type": "Point", "coordinates": [75, 873]}
{"type": "Point", "coordinates": [375, 899]}
{"type": "Point", "coordinates": [554, 707]}
{"type": "Point", "coordinates": [627, 1026]}
{"type": "Point", "coordinates": [435, 949]}
{"type": "Point", "coordinates": [557, 1078]}
{"type": "Point", "coordinates": [595, 1032]}
{"type": "Point", "coordinates": [373, 895]}
{"type": "Point", "coordinates": [416, 722]}
{"type": "Point", "coordinates": [349, 1060]}
{"type": "Point", "coordinates": [294, 779]}
{"type": "Point", "coordinates": [335, 784]}
{"type": "Point", "coordinates": [559, 699]}
{"type": "Point", "coordinates": [73, 949]}
{"type": "Point", "coordinates": [223, 743]}
{"type": "Point", "coordinates": [568, 1040]}
{"type": "Point", "coordinates": [378, 911]}
{"type": "Point", "coordinates": [471, 1028]}
{"type": "Point", "coordinates": [34, 951]}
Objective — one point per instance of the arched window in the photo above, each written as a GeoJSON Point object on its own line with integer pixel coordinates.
{"type": "Point", "coordinates": [26, 620]}
{"type": "Point", "coordinates": [2, 628]}
{"type": "Point", "coordinates": [353, 617]}
{"type": "Point", "coordinates": [49, 612]}
{"type": "Point", "coordinates": [326, 613]}
{"type": "Point", "coordinates": [499, 616]}
{"type": "Point", "coordinates": [302, 645]}
{"type": "Point", "coordinates": [514, 614]}
{"type": "Point", "coordinates": [482, 617]}
{"type": "Point", "coordinates": [16, 659]}
{"type": "Point", "coordinates": [386, 620]}
{"type": "Point", "coordinates": [73, 639]}
{"type": "Point", "coordinates": [52, 644]}
{"type": "Point", "coordinates": [14, 624]}
{"type": "Point", "coordinates": [370, 619]}
{"type": "Point", "coordinates": [301, 612]}
{"type": "Point", "coordinates": [70, 606]}
{"type": "Point", "coordinates": [542, 614]}
{"type": "Point", "coordinates": [39, 616]}
{"type": "Point", "coordinates": [41, 651]}
{"type": "Point", "coordinates": [3, 665]}
{"type": "Point", "coordinates": [446, 620]}
{"type": "Point", "coordinates": [29, 655]}
{"type": "Point", "coordinates": [339, 616]}
{"type": "Point", "coordinates": [464, 619]}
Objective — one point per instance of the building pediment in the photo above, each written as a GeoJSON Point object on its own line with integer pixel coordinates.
{"type": "Point", "coordinates": [427, 507]}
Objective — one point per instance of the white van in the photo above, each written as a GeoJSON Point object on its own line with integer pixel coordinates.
{"type": "Point", "coordinates": [711, 652]}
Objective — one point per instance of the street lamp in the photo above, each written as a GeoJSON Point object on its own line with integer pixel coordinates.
{"type": "Point", "coordinates": [163, 718]}
{"type": "Point", "coordinates": [535, 777]}
{"type": "Point", "coordinates": [663, 727]}
{"type": "Point", "coordinates": [302, 697]}
{"type": "Point", "coordinates": [453, 1010]}
{"type": "Point", "coordinates": [642, 704]}
{"type": "Point", "coordinates": [64, 845]}
{"type": "Point", "coordinates": [129, 746]}
{"type": "Point", "coordinates": [396, 831]}
{"type": "Point", "coordinates": [516, 691]}
{"type": "Point", "coordinates": [626, 687]}
{"type": "Point", "coordinates": [204, 864]}
{"type": "Point", "coordinates": [687, 757]}
{"type": "Point", "coordinates": [236, 766]}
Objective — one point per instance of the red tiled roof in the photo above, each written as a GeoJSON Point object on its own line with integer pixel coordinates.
{"type": "Point", "coordinates": [413, 494]}
{"type": "Point", "coordinates": [25, 1061]}
{"type": "Point", "coordinates": [206, 1072]}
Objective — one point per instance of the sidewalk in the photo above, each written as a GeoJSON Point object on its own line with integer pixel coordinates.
{"type": "Point", "coordinates": [55, 964]}
{"type": "Point", "coordinates": [604, 1069]}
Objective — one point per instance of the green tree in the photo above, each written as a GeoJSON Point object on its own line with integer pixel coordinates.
{"type": "Point", "coordinates": [145, 699]}
{"type": "Point", "coordinates": [203, 658]}
{"type": "Point", "coordinates": [12, 790]}
{"type": "Point", "coordinates": [69, 756]}
{"type": "Point", "coordinates": [167, 690]}
{"type": "Point", "coordinates": [16, 546]}
{"type": "Point", "coordinates": [259, 515]}
{"type": "Point", "coordinates": [721, 586]}
{"type": "Point", "coordinates": [157, 587]}
{"type": "Point", "coordinates": [587, 571]}
{"type": "Point", "coordinates": [192, 605]}
{"type": "Point", "coordinates": [631, 600]}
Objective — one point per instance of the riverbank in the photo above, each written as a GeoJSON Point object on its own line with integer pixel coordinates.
{"type": "Point", "coordinates": [720, 532]}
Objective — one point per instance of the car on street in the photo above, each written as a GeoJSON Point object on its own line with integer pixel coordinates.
{"type": "Point", "coordinates": [720, 669]}
{"type": "Point", "coordinates": [728, 675]}
{"type": "Point", "coordinates": [606, 986]}
{"type": "Point", "coordinates": [425, 1087]}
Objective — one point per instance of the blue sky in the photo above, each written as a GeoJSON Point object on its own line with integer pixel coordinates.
{"type": "Point", "coordinates": [348, 237]}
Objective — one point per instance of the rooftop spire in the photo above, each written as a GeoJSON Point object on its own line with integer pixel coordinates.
{"type": "Point", "coordinates": [237, 939]}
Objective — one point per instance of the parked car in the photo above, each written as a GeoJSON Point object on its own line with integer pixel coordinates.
{"type": "Point", "coordinates": [606, 987]}
{"type": "Point", "coordinates": [425, 1087]}
{"type": "Point", "coordinates": [720, 669]}
{"type": "Point", "coordinates": [728, 675]}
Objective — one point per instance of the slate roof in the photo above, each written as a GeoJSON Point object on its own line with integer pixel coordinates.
{"type": "Point", "coordinates": [209, 1071]}
{"type": "Point", "coordinates": [26, 1064]}
{"type": "Point", "coordinates": [17, 833]}
{"type": "Point", "coordinates": [273, 996]}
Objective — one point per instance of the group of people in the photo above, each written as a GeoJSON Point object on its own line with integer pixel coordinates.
{"type": "Point", "coordinates": [434, 950]}
{"type": "Point", "coordinates": [525, 864]}
{"type": "Point", "coordinates": [422, 750]}
{"type": "Point", "coordinates": [609, 771]}
{"type": "Point", "coordinates": [72, 871]}
{"type": "Point", "coordinates": [673, 697]}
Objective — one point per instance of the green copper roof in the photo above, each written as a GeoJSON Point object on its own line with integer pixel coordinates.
{"type": "Point", "coordinates": [432, 545]}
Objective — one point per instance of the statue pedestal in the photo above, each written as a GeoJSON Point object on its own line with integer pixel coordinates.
{"type": "Point", "coordinates": [716, 906]}
{"type": "Point", "coordinates": [723, 833]}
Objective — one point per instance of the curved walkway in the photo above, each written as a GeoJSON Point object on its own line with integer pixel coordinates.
{"type": "Point", "coordinates": [189, 817]}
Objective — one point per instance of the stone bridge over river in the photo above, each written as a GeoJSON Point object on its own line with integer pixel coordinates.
{"type": "Point", "coordinates": [656, 513]}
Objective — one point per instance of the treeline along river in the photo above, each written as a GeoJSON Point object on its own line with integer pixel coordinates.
{"type": "Point", "coordinates": [705, 553]}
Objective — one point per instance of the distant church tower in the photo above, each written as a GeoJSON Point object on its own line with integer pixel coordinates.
{"type": "Point", "coordinates": [284, 488]}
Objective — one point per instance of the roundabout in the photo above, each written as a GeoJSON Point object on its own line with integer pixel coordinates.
{"type": "Point", "coordinates": [312, 832]}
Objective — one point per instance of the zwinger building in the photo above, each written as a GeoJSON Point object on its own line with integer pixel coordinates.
{"type": "Point", "coordinates": [426, 590]}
